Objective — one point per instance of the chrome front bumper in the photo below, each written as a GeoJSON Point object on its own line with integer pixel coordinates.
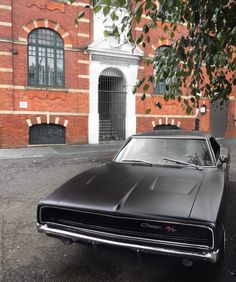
{"type": "Point", "coordinates": [205, 255]}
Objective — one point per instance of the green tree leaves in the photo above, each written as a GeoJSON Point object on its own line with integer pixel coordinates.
{"type": "Point", "coordinates": [202, 57]}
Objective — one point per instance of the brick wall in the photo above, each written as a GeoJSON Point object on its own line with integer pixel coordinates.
{"type": "Point", "coordinates": [14, 131]}
{"type": "Point", "coordinates": [173, 109]}
{"type": "Point", "coordinates": [231, 129]}
{"type": "Point", "coordinates": [17, 20]}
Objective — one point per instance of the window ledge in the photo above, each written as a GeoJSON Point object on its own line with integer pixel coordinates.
{"type": "Point", "coordinates": [46, 88]}
{"type": "Point", "coordinates": [158, 95]}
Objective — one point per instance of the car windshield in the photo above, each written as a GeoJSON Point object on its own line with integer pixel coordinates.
{"type": "Point", "coordinates": [166, 151]}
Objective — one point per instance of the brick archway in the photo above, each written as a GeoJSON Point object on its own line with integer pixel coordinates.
{"type": "Point", "coordinates": [47, 119]}
{"type": "Point", "coordinates": [165, 42]}
{"type": "Point", "coordinates": [37, 23]}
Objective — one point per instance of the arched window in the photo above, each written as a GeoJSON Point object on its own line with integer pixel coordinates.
{"type": "Point", "coordinates": [160, 87]}
{"type": "Point", "coordinates": [45, 58]}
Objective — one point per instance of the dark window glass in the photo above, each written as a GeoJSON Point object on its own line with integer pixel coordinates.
{"type": "Point", "coordinates": [215, 146]}
{"type": "Point", "coordinates": [32, 64]}
{"type": "Point", "coordinates": [45, 58]}
{"type": "Point", "coordinates": [60, 67]}
{"type": "Point", "coordinates": [42, 65]}
{"type": "Point", "coordinates": [160, 87]}
{"type": "Point", "coordinates": [154, 150]}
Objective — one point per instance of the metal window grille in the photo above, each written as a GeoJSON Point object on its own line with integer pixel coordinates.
{"type": "Point", "coordinates": [112, 105]}
{"type": "Point", "coordinates": [47, 134]}
{"type": "Point", "coordinates": [45, 58]}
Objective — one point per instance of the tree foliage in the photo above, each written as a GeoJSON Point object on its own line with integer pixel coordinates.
{"type": "Point", "coordinates": [202, 58]}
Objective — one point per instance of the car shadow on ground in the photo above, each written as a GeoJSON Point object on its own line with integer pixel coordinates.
{"type": "Point", "coordinates": [82, 263]}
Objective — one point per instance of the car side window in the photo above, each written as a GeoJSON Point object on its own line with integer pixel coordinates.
{"type": "Point", "coordinates": [216, 147]}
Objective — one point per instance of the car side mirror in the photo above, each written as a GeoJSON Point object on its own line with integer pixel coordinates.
{"type": "Point", "coordinates": [224, 156]}
{"type": "Point", "coordinates": [222, 160]}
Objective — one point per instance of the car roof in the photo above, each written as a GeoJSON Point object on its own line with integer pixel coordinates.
{"type": "Point", "coordinates": [174, 134]}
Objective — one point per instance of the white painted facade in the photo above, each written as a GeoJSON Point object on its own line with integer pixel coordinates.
{"type": "Point", "coordinates": [113, 55]}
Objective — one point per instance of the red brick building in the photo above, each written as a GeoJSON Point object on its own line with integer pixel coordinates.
{"type": "Point", "coordinates": [61, 83]}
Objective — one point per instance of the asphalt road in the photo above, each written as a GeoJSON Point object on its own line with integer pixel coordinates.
{"type": "Point", "coordinates": [26, 255]}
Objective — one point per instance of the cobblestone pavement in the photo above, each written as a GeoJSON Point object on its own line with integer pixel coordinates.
{"type": "Point", "coordinates": [26, 255]}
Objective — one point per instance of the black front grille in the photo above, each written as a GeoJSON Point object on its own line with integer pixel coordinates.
{"type": "Point", "coordinates": [135, 227]}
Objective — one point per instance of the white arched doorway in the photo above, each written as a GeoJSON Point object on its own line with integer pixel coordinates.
{"type": "Point", "coordinates": [111, 105]}
{"type": "Point", "coordinates": [127, 73]}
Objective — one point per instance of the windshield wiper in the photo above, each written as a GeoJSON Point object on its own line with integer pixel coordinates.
{"type": "Point", "coordinates": [136, 161]}
{"type": "Point", "coordinates": [182, 162]}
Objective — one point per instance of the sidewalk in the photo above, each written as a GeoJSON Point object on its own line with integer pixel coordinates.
{"type": "Point", "coordinates": [104, 150]}
{"type": "Point", "coordinates": [101, 151]}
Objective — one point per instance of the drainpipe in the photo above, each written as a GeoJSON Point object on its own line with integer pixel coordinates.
{"type": "Point", "coordinates": [197, 121]}
{"type": "Point", "coordinates": [0, 136]}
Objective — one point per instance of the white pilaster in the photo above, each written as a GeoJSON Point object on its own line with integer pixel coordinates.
{"type": "Point", "coordinates": [130, 122]}
{"type": "Point", "coordinates": [93, 120]}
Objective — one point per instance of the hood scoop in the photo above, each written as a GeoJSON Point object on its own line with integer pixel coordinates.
{"type": "Point", "coordinates": [90, 180]}
{"type": "Point", "coordinates": [127, 195]}
{"type": "Point", "coordinates": [174, 185]}
{"type": "Point", "coordinates": [154, 184]}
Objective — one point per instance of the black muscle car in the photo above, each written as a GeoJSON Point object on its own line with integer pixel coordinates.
{"type": "Point", "coordinates": [164, 193]}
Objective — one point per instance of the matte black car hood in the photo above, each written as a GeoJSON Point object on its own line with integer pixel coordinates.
{"type": "Point", "coordinates": [132, 189]}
